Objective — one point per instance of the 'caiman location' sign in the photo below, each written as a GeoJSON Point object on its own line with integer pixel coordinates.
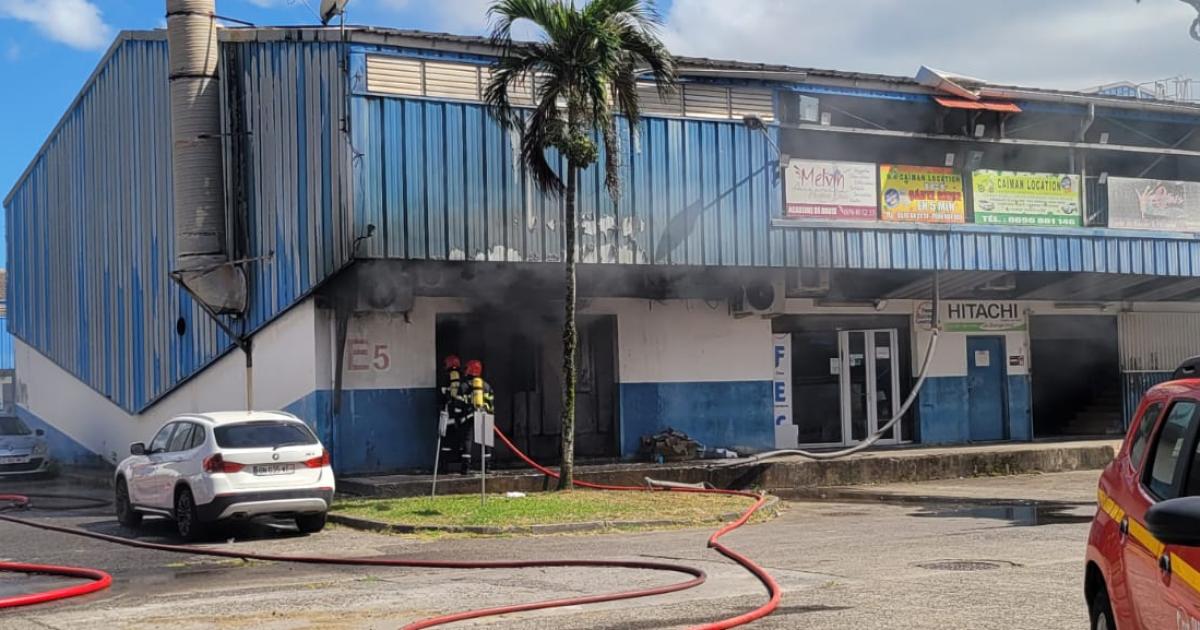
{"type": "Point", "coordinates": [971, 316]}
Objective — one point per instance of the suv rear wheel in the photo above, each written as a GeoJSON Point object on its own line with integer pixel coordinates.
{"type": "Point", "coordinates": [310, 523]}
{"type": "Point", "coordinates": [187, 519]}
{"type": "Point", "coordinates": [126, 515]}
{"type": "Point", "coordinates": [1101, 611]}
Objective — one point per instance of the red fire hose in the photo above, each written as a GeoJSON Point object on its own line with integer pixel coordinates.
{"type": "Point", "coordinates": [102, 580]}
{"type": "Point", "coordinates": [769, 582]}
{"type": "Point", "coordinates": [99, 580]}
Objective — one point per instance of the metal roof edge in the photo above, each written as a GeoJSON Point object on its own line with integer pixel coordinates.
{"type": "Point", "coordinates": [778, 72]}
{"type": "Point", "coordinates": [1080, 98]}
{"type": "Point", "coordinates": [121, 38]}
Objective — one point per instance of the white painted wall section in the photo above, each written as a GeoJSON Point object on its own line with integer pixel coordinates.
{"type": "Point", "coordinates": [285, 370]}
{"type": "Point", "coordinates": [684, 341]}
{"type": "Point", "coordinates": [389, 351]}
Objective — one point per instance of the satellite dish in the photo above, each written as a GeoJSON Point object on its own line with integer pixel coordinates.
{"type": "Point", "coordinates": [331, 8]}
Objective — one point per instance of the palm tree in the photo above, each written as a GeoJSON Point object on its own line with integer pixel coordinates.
{"type": "Point", "coordinates": [583, 72]}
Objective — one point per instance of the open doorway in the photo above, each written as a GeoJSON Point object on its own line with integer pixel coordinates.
{"type": "Point", "coordinates": [522, 359]}
{"type": "Point", "coordinates": [1075, 374]}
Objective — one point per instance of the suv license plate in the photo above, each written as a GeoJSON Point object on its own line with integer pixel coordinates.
{"type": "Point", "coordinates": [16, 459]}
{"type": "Point", "coordinates": [264, 470]}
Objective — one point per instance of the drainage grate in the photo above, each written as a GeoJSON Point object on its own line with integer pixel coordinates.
{"type": "Point", "coordinates": [960, 565]}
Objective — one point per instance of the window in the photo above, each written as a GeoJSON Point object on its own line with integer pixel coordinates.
{"type": "Point", "coordinates": [198, 434]}
{"type": "Point", "coordinates": [1141, 439]}
{"type": "Point", "coordinates": [182, 440]}
{"type": "Point", "coordinates": [13, 426]}
{"type": "Point", "coordinates": [160, 441]}
{"type": "Point", "coordinates": [1164, 467]}
{"type": "Point", "coordinates": [263, 434]}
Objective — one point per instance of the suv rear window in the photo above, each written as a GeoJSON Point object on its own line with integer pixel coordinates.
{"type": "Point", "coordinates": [13, 426]}
{"type": "Point", "coordinates": [263, 434]}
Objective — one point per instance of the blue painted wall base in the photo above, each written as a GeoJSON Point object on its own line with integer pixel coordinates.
{"type": "Point", "coordinates": [735, 414]}
{"type": "Point", "coordinates": [63, 449]}
{"type": "Point", "coordinates": [1020, 412]}
{"type": "Point", "coordinates": [378, 430]}
{"type": "Point", "coordinates": [943, 405]}
{"type": "Point", "coordinates": [945, 418]}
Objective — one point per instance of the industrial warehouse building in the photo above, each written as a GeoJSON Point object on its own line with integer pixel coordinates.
{"type": "Point", "coordinates": [765, 279]}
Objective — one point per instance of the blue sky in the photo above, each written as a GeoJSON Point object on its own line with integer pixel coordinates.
{"type": "Point", "coordinates": [48, 47]}
{"type": "Point", "coordinates": [45, 54]}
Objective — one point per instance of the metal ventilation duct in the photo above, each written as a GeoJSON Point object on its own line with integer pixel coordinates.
{"type": "Point", "coordinates": [201, 251]}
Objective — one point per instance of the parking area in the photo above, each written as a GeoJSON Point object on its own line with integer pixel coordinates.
{"type": "Point", "coordinates": [944, 556]}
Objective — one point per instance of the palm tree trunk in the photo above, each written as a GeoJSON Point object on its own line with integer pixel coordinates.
{"type": "Point", "coordinates": [570, 340]}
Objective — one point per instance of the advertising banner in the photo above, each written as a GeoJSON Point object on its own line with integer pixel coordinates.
{"type": "Point", "coordinates": [973, 316]}
{"type": "Point", "coordinates": [1153, 204]}
{"type": "Point", "coordinates": [823, 189]}
{"type": "Point", "coordinates": [921, 194]}
{"type": "Point", "coordinates": [1014, 198]}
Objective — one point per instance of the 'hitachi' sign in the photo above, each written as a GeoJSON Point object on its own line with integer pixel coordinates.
{"type": "Point", "coordinates": [967, 316]}
{"type": "Point", "coordinates": [982, 310]}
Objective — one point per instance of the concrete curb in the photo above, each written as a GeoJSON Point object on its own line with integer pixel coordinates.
{"type": "Point", "coordinates": [771, 509]}
{"type": "Point", "coordinates": [866, 469]}
{"type": "Point", "coordinates": [856, 495]}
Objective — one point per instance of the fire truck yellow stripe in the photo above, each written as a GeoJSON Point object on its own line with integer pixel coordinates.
{"type": "Point", "coordinates": [1110, 507]}
{"type": "Point", "coordinates": [1139, 533]}
{"type": "Point", "coordinates": [1180, 569]}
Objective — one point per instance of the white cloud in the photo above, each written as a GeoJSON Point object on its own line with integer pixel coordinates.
{"type": "Point", "coordinates": [1031, 42]}
{"type": "Point", "coordinates": [76, 23]}
{"type": "Point", "coordinates": [467, 17]}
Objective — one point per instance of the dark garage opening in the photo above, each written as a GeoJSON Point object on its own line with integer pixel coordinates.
{"type": "Point", "coordinates": [1075, 374]}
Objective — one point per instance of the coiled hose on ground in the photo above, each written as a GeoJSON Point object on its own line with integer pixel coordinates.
{"type": "Point", "coordinates": [101, 580]}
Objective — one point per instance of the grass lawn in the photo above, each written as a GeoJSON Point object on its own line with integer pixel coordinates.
{"type": "Point", "coordinates": [545, 508]}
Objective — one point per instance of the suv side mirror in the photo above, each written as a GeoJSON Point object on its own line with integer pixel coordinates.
{"type": "Point", "coordinates": [40, 433]}
{"type": "Point", "coordinates": [137, 448]}
{"type": "Point", "coordinates": [1176, 521]}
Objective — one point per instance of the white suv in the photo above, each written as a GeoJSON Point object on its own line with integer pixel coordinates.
{"type": "Point", "coordinates": [203, 468]}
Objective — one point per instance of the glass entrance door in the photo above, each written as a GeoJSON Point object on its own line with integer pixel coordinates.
{"type": "Point", "coordinates": [870, 384]}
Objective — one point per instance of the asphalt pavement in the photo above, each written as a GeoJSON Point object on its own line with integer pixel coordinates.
{"type": "Point", "coordinates": [940, 557]}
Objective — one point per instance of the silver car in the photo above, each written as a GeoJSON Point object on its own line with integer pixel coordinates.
{"type": "Point", "coordinates": [23, 451]}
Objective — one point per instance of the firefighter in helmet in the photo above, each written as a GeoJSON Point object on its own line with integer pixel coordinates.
{"type": "Point", "coordinates": [455, 418]}
{"type": "Point", "coordinates": [482, 398]}
{"type": "Point", "coordinates": [478, 397]}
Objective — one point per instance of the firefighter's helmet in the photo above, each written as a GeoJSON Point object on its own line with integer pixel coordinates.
{"type": "Point", "coordinates": [451, 362]}
{"type": "Point", "coordinates": [474, 368]}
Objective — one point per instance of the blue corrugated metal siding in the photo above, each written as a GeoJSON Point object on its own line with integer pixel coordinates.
{"type": "Point", "coordinates": [440, 180]}
{"type": "Point", "coordinates": [6, 346]}
{"type": "Point", "coordinates": [90, 239]}
{"type": "Point", "coordinates": [977, 248]}
{"type": "Point", "coordinates": [1135, 385]}
{"type": "Point", "coordinates": [297, 168]}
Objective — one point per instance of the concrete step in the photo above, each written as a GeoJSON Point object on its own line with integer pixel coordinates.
{"type": "Point", "coordinates": [792, 473]}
